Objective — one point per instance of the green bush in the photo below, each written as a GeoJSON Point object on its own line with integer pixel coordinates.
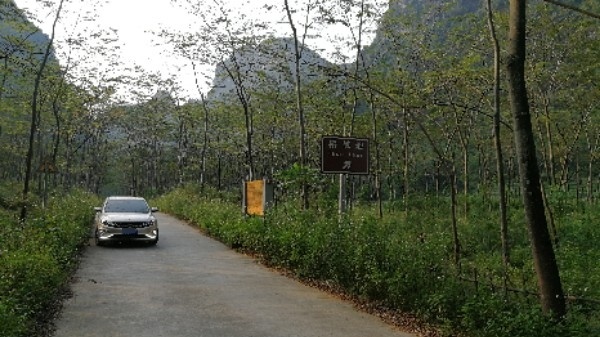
{"type": "Point", "coordinates": [37, 257]}
{"type": "Point", "coordinates": [11, 323]}
{"type": "Point", "coordinates": [30, 279]}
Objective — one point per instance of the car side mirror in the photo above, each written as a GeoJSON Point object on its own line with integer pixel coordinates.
{"type": "Point", "coordinates": [154, 209]}
{"type": "Point", "coordinates": [98, 209]}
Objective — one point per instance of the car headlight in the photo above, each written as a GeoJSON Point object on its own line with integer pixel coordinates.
{"type": "Point", "coordinates": [107, 223]}
{"type": "Point", "coordinates": [151, 222]}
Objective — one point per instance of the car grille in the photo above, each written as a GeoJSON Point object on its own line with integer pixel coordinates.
{"type": "Point", "coordinates": [129, 224]}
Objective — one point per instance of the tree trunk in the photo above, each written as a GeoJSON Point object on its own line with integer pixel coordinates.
{"type": "Point", "coordinates": [205, 136]}
{"type": "Point", "coordinates": [549, 283]}
{"type": "Point", "coordinates": [498, 144]}
{"type": "Point", "coordinates": [204, 143]}
{"type": "Point", "coordinates": [464, 138]}
{"type": "Point", "coordinates": [455, 238]}
{"type": "Point", "coordinates": [300, 107]}
{"type": "Point", "coordinates": [244, 98]}
{"type": "Point", "coordinates": [377, 160]}
{"type": "Point", "coordinates": [550, 162]}
{"type": "Point", "coordinates": [34, 116]}
{"type": "Point", "coordinates": [406, 190]}
{"type": "Point", "coordinates": [182, 151]}
{"type": "Point", "coordinates": [590, 176]}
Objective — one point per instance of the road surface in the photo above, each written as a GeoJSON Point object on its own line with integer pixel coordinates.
{"type": "Point", "coordinates": [192, 286]}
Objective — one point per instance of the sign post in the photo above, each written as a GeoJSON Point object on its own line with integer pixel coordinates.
{"type": "Point", "coordinates": [258, 197]}
{"type": "Point", "coordinates": [344, 155]}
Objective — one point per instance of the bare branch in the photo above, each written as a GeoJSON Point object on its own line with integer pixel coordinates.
{"type": "Point", "coordinates": [573, 8]}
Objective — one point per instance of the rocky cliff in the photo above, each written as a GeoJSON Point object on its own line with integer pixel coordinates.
{"type": "Point", "coordinates": [271, 63]}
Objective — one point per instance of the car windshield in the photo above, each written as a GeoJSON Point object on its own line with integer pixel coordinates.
{"type": "Point", "coordinates": [126, 206]}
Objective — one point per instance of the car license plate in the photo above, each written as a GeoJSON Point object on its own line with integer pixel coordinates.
{"type": "Point", "coordinates": [129, 231]}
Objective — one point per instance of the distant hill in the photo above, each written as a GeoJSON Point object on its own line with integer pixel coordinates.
{"type": "Point", "coordinates": [272, 62]}
{"type": "Point", "coordinates": [22, 46]}
{"type": "Point", "coordinates": [405, 17]}
{"type": "Point", "coordinates": [16, 29]}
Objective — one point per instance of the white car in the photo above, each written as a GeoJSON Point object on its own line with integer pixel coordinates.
{"type": "Point", "coordinates": [125, 219]}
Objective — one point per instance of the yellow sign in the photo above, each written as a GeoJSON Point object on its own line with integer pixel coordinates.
{"type": "Point", "coordinates": [254, 197]}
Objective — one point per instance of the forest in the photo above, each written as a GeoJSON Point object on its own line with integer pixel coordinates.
{"type": "Point", "coordinates": [465, 221]}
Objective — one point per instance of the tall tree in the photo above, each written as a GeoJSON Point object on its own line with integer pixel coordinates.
{"type": "Point", "coordinates": [497, 142]}
{"type": "Point", "coordinates": [549, 282]}
{"type": "Point", "coordinates": [35, 113]}
{"type": "Point", "coordinates": [298, 47]}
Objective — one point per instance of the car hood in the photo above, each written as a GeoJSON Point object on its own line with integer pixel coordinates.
{"type": "Point", "coordinates": [126, 217]}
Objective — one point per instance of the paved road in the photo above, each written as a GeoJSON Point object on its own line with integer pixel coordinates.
{"type": "Point", "coordinates": [190, 285]}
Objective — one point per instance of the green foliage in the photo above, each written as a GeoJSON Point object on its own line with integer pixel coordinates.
{"type": "Point", "coordinates": [9, 196]}
{"type": "Point", "coordinates": [429, 79]}
{"type": "Point", "coordinates": [294, 177]}
{"type": "Point", "coordinates": [512, 318]}
{"type": "Point", "coordinates": [12, 324]}
{"type": "Point", "coordinates": [404, 261]}
{"type": "Point", "coordinates": [208, 207]}
{"type": "Point", "coordinates": [36, 258]}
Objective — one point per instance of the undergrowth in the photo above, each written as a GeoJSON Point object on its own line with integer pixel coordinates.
{"type": "Point", "coordinates": [37, 257]}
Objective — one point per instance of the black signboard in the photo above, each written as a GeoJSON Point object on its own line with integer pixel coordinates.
{"type": "Point", "coordinates": [344, 155]}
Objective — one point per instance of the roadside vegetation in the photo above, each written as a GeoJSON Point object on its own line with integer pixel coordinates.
{"type": "Point", "coordinates": [404, 262]}
{"type": "Point", "coordinates": [38, 256]}
{"type": "Point", "coordinates": [480, 211]}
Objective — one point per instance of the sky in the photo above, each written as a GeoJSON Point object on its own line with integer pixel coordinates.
{"type": "Point", "coordinates": [131, 24]}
